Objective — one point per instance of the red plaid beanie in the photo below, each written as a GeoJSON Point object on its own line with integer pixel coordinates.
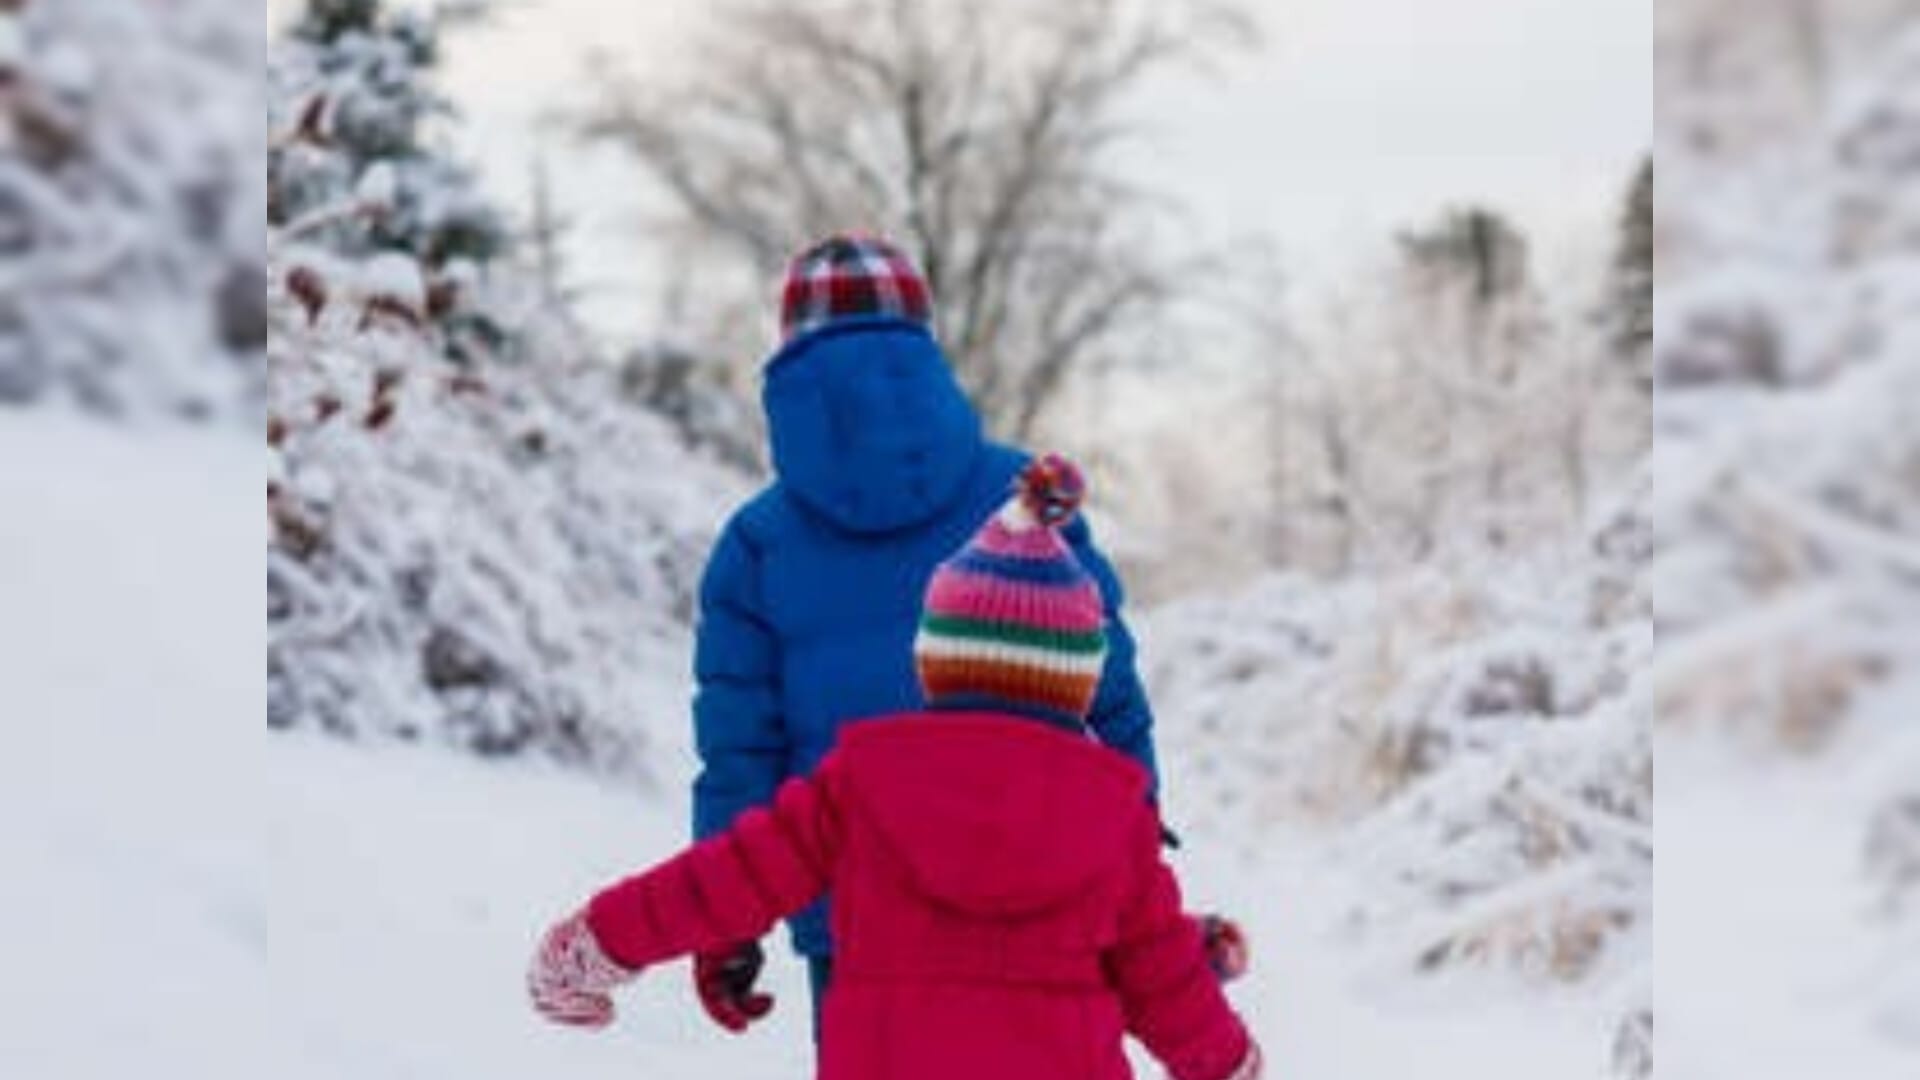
{"type": "Point", "coordinates": [850, 275]}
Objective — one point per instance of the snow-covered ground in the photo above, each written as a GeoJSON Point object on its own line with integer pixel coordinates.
{"type": "Point", "coordinates": [131, 917]}
{"type": "Point", "coordinates": [407, 887]}
{"type": "Point", "coordinates": [364, 912]}
{"type": "Point", "coordinates": [1767, 967]}
{"type": "Point", "coordinates": [178, 906]}
{"type": "Point", "coordinates": [182, 901]}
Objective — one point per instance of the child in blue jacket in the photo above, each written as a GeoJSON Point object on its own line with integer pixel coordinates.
{"type": "Point", "coordinates": [811, 597]}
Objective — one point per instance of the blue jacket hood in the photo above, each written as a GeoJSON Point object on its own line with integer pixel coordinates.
{"type": "Point", "coordinates": [869, 427]}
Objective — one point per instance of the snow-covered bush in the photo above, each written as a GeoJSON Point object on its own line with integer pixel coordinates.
{"type": "Point", "coordinates": [1785, 520]}
{"type": "Point", "coordinates": [503, 563]}
{"type": "Point", "coordinates": [1786, 567]}
{"type": "Point", "coordinates": [1524, 833]}
{"type": "Point", "coordinates": [1480, 733]}
{"type": "Point", "coordinates": [472, 538]}
{"type": "Point", "coordinates": [1732, 333]}
{"type": "Point", "coordinates": [1478, 729]}
{"type": "Point", "coordinates": [131, 252]}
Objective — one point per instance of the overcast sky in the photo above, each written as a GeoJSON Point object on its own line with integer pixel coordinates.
{"type": "Point", "coordinates": [1360, 116]}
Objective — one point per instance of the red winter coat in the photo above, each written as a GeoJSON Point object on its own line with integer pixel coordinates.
{"type": "Point", "coordinates": [1000, 908]}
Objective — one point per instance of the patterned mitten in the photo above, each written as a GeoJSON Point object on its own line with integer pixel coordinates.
{"type": "Point", "coordinates": [571, 979]}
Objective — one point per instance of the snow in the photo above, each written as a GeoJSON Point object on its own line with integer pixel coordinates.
{"type": "Point", "coordinates": [1767, 967]}
{"type": "Point", "coordinates": [379, 187]}
{"type": "Point", "coordinates": [1425, 788]}
{"type": "Point", "coordinates": [1474, 742]}
{"type": "Point", "coordinates": [132, 917]}
{"type": "Point", "coordinates": [363, 911]}
{"type": "Point", "coordinates": [395, 279]}
{"type": "Point", "coordinates": [1788, 676]}
{"type": "Point", "coordinates": [381, 853]}
{"type": "Point", "coordinates": [408, 890]}
{"type": "Point", "coordinates": [370, 918]}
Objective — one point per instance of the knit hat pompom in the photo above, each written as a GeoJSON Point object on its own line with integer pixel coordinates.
{"type": "Point", "coordinates": [1051, 490]}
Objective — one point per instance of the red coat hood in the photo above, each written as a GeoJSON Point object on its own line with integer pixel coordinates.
{"type": "Point", "coordinates": [992, 815]}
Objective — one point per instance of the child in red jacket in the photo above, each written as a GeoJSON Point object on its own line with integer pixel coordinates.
{"type": "Point", "coordinates": [999, 901]}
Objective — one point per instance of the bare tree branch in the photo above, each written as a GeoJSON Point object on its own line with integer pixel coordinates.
{"type": "Point", "coordinates": [982, 134]}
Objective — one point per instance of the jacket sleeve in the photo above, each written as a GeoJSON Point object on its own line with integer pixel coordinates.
{"type": "Point", "coordinates": [1120, 716]}
{"type": "Point", "coordinates": [1172, 1001]}
{"type": "Point", "coordinates": [738, 728]}
{"type": "Point", "coordinates": [733, 886]}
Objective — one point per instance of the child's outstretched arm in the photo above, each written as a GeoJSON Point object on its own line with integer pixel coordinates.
{"type": "Point", "coordinates": [1167, 986]}
{"type": "Point", "coordinates": [731, 887]}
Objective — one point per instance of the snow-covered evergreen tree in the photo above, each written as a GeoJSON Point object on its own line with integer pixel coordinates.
{"type": "Point", "coordinates": [352, 165]}
{"type": "Point", "coordinates": [473, 539]}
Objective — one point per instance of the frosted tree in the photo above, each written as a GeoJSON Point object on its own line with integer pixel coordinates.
{"type": "Point", "coordinates": [1440, 405]}
{"type": "Point", "coordinates": [1474, 319]}
{"type": "Point", "coordinates": [349, 167]}
{"type": "Point", "coordinates": [983, 135]}
{"type": "Point", "coordinates": [1475, 388]}
{"type": "Point", "coordinates": [472, 540]}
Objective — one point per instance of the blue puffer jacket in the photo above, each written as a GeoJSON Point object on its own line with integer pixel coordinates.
{"type": "Point", "coordinates": [812, 595]}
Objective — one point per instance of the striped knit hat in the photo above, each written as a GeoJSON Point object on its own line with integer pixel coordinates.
{"type": "Point", "coordinates": [849, 275]}
{"type": "Point", "coordinates": [1012, 622]}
